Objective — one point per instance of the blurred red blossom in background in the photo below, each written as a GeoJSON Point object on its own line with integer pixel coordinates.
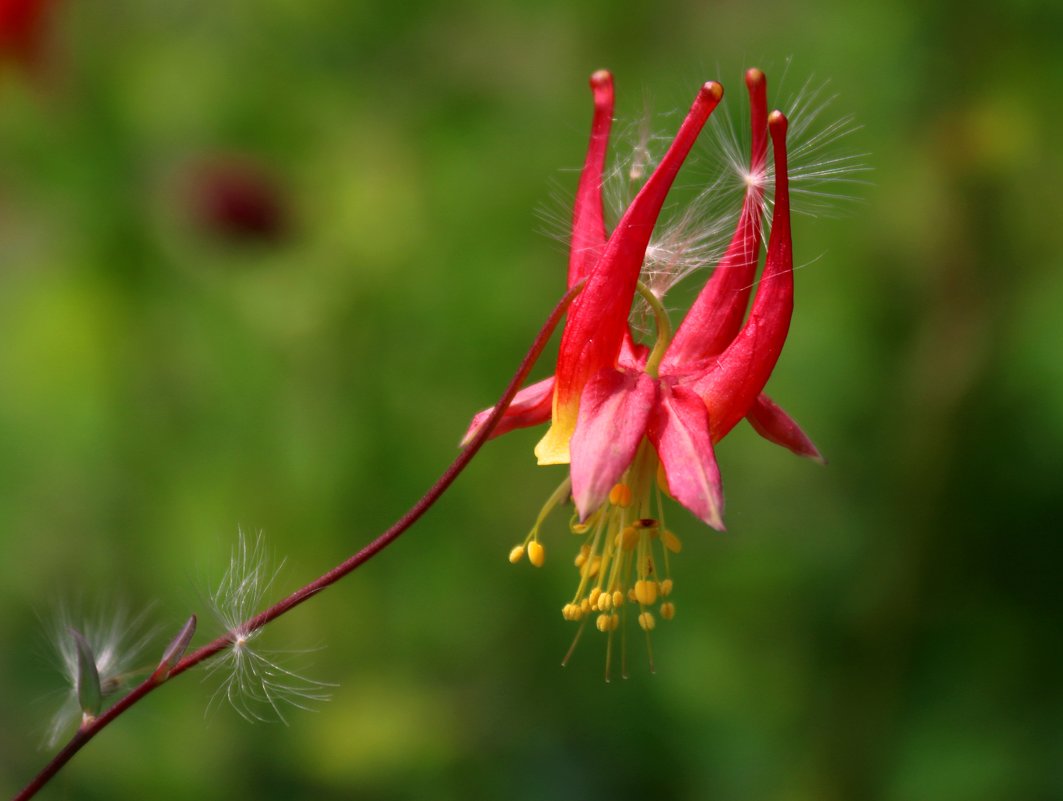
{"type": "Point", "coordinates": [235, 198]}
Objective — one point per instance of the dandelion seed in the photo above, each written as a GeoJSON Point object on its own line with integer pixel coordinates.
{"type": "Point", "coordinates": [824, 168]}
{"type": "Point", "coordinates": [255, 683]}
{"type": "Point", "coordinates": [116, 642]}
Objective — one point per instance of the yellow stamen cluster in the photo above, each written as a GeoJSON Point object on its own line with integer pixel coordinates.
{"type": "Point", "coordinates": [622, 562]}
{"type": "Point", "coordinates": [623, 565]}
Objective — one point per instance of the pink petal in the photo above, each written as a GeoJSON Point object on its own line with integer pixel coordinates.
{"type": "Point", "coordinates": [738, 375]}
{"type": "Point", "coordinates": [588, 225]}
{"type": "Point", "coordinates": [679, 431]}
{"type": "Point", "coordinates": [613, 415]}
{"type": "Point", "coordinates": [597, 321]}
{"type": "Point", "coordinates": [777, 426]}
{"type": "Point", "coordinates": [530, 407]}
{"type": "Point", "coordinates": [632, 356]}
{"type": "Point", "coordinates": [716, 315]}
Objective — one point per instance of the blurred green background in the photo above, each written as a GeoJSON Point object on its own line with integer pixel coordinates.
{"type": "Point", "coordinates": [885, 628]}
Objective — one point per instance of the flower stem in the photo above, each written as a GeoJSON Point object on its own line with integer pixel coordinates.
{"type": "Point", "coordinates": [664, 328]}
{"type": "Point", "coordinates": [87, 732]}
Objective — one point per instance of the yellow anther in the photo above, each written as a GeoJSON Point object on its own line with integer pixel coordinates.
{"type": "Point", "coordinates": [671, 541]}
{"type": "Point", "coordinates": [577, 526]}
{"type": "Point", "coordinates": [581, 557]}
{"type": "Point", "coordinates": [629, 538]}
{"type": "Point", "coordinates": [571, 612]}
{"type": "Point", "coordinates": [536, 553]}
{"type": "Point", "coordinates": [645, 592]}
{"type": "Point", "coordinates": [620, 495]}
{"type": "Point", "coordinates": [618, 598]}
{"type": "Point", "coordinates": [666, 587]}
{"type": "Point", "coordinates": [662, 480]}
{"type": "Point", "coordinates": [516, 554]}
{"type": "Point", "coordinates": [590, 568]}
{"type": "Point", "coordinates": [647, 621]}
{"type": "Point", "coordinates": [592, 599]}
{"type": "Point", "coordinates": [631, 595]}
{"type": "Point", "coordinates": [605, 602]}
{"type": "Point", "coordinates": [584, 606]}
{"type": "Point", "coordinates": [614, 621]}
{"type": "Point", "coordinates": [603, 622]}
{"type": "Point", "coordinates": [668, 610]}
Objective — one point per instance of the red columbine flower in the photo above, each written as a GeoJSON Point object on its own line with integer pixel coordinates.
{"type": "Point", "coordinates": [630, 419]}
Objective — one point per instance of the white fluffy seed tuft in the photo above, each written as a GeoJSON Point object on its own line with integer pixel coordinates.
{"type": "Point", "coordinates": [117, 640]}
{"type": "Point", "coordinates": [254, 681]}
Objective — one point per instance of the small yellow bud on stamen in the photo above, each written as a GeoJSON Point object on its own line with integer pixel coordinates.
{"type": "Point", "coordinates": [631, 595]}
{"type": "Point", "coordinates": [605, 602]}
{"type": "Point", "coordinates": [671, 541]}
{"type": "Point", "coordinates": [666, 587]}
{"type": "Point", "coordinates": [646, 592]}
{"type": "Point", "coordinates": [571, 612]}
{"type": "Point", "coordinates": [603, 622]}
{"type": "Point", "coordinates": [629, 538]}
{"type": "Point", "coordinates": [581, 557]}
{"type": "Point", "coordinates": [614, 622]}
{"type": "Point", "coordinates": [618, 598]}
{"type": "Point", "coordinates": [516, 554]}
{"type": "Point", "coordinates": [592, 599]}
{"type": "Point", "coordinates": [577, 526]}
{"type": "Point", "coordinates": [647, 621]}
{"type": "Point", "coordinates": [584, 606]}
{"type": "Point", "coordinates": [591, 566]}
{"type": "Point", "coordinates": [620, 495]}
{"type": "Point", "coordinates": [668, 610]}
{"type": "Point", "coordinates": [536, 553]}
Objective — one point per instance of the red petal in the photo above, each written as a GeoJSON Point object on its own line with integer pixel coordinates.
{"type": "Point", "coordinates": [613, 415]}
{"type": "Point", "coordinates": [739, 374]}
{"type": "Point", "coordinates": [777, 426]}
{"type": "Point", "coordinates": [530, 407]}
{"type": "Point", "coordinates": [588, 225]}
{"type": "Point", "coordinates": [716, 315]}
{"type": "Point", "coordinates": [632, 356]}
{"type": "Point", "coordinates": [679, 431]}
{"type": "Point", "coordinates": [597, 320]}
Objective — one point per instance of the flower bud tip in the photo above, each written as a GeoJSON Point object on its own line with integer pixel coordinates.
{"type": "Point", "coordinates": [712, 90]}
{"type": "Point", "coordinates": [754, 77]}
{"type": "Point", "coordinates": [601, 78]}
{"type": "Point", "coordinates": [777, 123]}
{"type": "Point", "coordinates": [175, 650]}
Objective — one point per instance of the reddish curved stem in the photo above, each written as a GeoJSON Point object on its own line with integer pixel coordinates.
{"type": "Point", "coordinates": [90, 730]}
